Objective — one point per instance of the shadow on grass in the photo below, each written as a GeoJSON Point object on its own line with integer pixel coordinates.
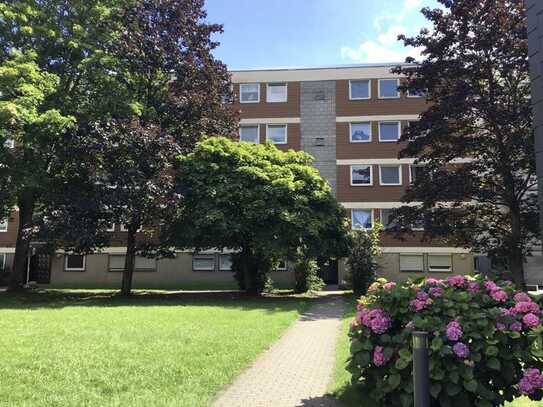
{"type": "Point", "coordinates": [55, 299]}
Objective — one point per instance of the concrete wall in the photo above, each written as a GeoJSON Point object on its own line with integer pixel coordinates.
{"type": "Point", "coordinates": [534, 11]}
{"type": "Point", "coordinates": [318, 126]}
{"type": "Point", "coordinates": [170, 273]}
{"type": "Point", "coordinates": [389, 267]}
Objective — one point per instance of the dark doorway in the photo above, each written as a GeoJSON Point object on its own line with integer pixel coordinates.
{"type": "Point", "coordinates": [328, 271]}
{"type": "Point", "coordinates": [40, 268]}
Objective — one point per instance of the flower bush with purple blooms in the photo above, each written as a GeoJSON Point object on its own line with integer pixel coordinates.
{"type": "Point", "coordinates": [485, 342]}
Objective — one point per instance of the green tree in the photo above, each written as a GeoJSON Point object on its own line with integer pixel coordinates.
{"type": "Point", "coordinates": [258, 201]}
{"type": "Point", "coordinates": [362, 258]}
{"type": "Point", "coordinates": [476, 80]}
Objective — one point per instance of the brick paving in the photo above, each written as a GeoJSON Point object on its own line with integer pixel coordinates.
{"type": "Point", "coordinates": [297, 369]}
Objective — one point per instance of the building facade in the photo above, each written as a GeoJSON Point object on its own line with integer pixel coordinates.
{"type": "Point", "coordinates": [349, 119]}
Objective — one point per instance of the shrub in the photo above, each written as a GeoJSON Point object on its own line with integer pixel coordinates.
{"type": "Point", "coordinates": [485, 342]}
{"type": "Point", "coordinates": [251, 271]}
{"type": "Point", "coordinates": [306, 275]}
{"type": "Point", "coordinates": [362, 259]}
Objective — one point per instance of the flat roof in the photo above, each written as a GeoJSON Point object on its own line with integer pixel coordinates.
{"type": "Point", "coordinates": [315, 67]}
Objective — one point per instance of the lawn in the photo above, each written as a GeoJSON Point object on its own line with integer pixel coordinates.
{"type": "Point", "coordinates": [77, 348]}
{"type": "Point", "coordinates": [349, 396]}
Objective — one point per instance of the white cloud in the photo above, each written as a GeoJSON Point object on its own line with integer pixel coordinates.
{"type": "Point", "coordinates": [390, 36]}
{"type": "Point", "coordinates": [410, 4]}
{"type": "Point", "coordinates": [372, 52]}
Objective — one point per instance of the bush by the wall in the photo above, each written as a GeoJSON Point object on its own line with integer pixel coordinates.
{"type": "Point", "coordinates": [362, 259]}
{"type": "Point", "coordinates": [306, 275]}
{"type": "Point", "coordinates": [485, 342]}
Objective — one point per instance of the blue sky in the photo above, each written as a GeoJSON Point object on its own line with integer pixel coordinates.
{"type": "Point", "coordinates": [268, 33]}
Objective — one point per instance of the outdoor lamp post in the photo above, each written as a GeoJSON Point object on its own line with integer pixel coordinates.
{"type": "Point", "coordinates": [421, 381]}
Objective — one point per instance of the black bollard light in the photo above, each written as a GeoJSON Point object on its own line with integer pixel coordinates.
{"type": "Point", "coordinates": [421, 375]}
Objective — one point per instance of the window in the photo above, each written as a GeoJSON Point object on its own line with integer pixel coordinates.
{"type": "Point", "coordinates": [281, 266]}
{"type": "Point", "coordinates": [276, 133]}
{"type": "Point", "coordinates": [3, 225]}
{"type": "Point", "coordinates": [225, 262]}
{"type": "Point", "coordinates": [412, 93]}
{"type": "Point", "coordinates": [9, 143]}
{"type": "Point", "coordinates": [203, 262]}
{"type": "Point", "coordinates": [386, 217]}
{"type": "Point", "coordinates": [439, 262]}
{"type": "Point", "coordinates": [2, 262]}
{"type": "Point", "coordinates": [359, 89]}
{"type": "Point", "coordinates": [276, 92]}
{"type": "Point", "coordinates": [389, 131]}
{"type": "Point", "coordinates": [415, 172]}
{"type": "Point", "coordinates": [388, 88]}
{"type": "Point", "coordinates": [411, 262]}
{"type": "Point", "coordinates": [390, 174]}
{"type": "Point", "coordinates": [110, 227]}
{"type": "Point", "coordinates": [249, 92]}
{"type": "Point", "coordinates": [124, 228]}
{"type": "Point", "coordinates": [361, 175]}
{"type": "Point", "coordinates": [249, 134]}
{"type": "Point", "coordinates": [74, 262]}
{"type": "Point", "coordinates": [360, 132]}
{"type": "Point", "coordinates": [361, 219]}
{"type": "Point", "coordinates": [117, 263]}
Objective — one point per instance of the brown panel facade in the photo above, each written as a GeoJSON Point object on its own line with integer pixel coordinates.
{"type": "Point", "coordinates": [374, 193]}
{"type": "Point", "coordinates": [374, 149]}
{"type": "Point", "coordinates": [9, 238]}
{"type": "Point", "coordinates": [290, 108]}
{"type": "Point", "coordinates": [374, 105]}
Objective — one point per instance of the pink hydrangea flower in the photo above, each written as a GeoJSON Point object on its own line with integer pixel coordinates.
{"type": "Point", "coordinates": [500, 326]}
{"type": "Point", "coordinates": [422, 296]}
{"type": "Point", "coordinates": [377, 320]}
{"type": "Point", "coordinates": [454, 331]}
{"type": "Point", "coordinates": [436, 291]}
{"type": "Point", "coordinates": [389, 286]}
{"type": "Point", "coordinates": [491, 285]}
{"type": "Point", "coordinates": [473, 287]}
{"type": "Point", "coordinates": [515, 326]}
{"type": "Point", "coordinates": [525, 307]}
{"type": "Point", "coordinates": [433, 281]}
{"type": "Point", "coordinates": [457, 281]}
{"type": "Point", "coordinates": [378, 356]}
{"type": "Point", "coordinates": [522, 297]}
{"type": "Point", "coordinates": [531, 381]}
{"type": "Point", "coordinates": [498, 295]}
{"type": "Point", "coordinates": [530, 320]}
{"type": "Point", "coordinates": [461, 350]}
{"type": "Point", "coordinates": [506, 312]}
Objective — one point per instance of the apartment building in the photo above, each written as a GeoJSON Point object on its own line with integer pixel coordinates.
{"type": "Point", "coordinates": [349, 118]}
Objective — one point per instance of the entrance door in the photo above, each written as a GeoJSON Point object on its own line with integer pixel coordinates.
{"type": "Point", "coordinates": [40, 268]}
{"type": "Point", "coordinates": [328, 271]}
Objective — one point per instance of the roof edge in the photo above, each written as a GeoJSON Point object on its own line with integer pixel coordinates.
{"type": "Point", "coordinates": [317, 67]}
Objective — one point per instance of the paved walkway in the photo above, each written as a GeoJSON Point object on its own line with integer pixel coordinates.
{"type": "Point", "coordinates": [297, 369]}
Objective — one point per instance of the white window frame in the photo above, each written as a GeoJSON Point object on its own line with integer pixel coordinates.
{"type": "Point", "coordinates": [66, 268]}
{"type": "Point", "coordinates": [381, 216]}
{"type": "Point", "coordinates": [241, 93]}
{"type": "Point", "coordinates": [388, 97]}
{"type": "Point", "coordinates": [362, 228]}
{"type": "Point", "coordinates": [285, 84]}
{"type": "Point", "coordinates": [111, 229]}
{"type": "Point", "coordinates": [351, 133]}
{"type": "Point", "coordinates": [399, 166]}
{"type": "Point", "coordinates": [361, 165]}
{"type": "Point", "coordinates": [277, 125]}
{"type": "Point", "coordinates": [9, 143]}
{"type": "Point", "coordinates": [390, 121]}
{"type": "Point", "coordinates": [4, 224]}
{"type": "Point", "coordinates": [257, 132]}
{"type": "Point", "coordinates": [440, 255]}
{"type": "Point", "coordinates": [409, 95]}
{"type": "Point", "coordinates": [221, 267]}
{"type": "Point", "coordinates": [411, 172]}
{"type": "Point", "coordinates": [420, 255]}
{"type": "Point", "coordinates": [204, 269]}
{"type": "Point", "coordinates": [123, 228]}
{"type": "Point", "coordinates": [360, 80]}
{"type": "Point", "coordinates": [282, 268]}
{"type": "Point", "coordinates": [3, 260]}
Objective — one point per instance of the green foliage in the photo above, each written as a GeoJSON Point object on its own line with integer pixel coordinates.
{"type": "Point", "coordinates": [362, 259]}
{"type": "Point", "coordinates": [499, 344]}
{"type": "Point", "coordinates": [306, 275]}
{"type": "Point", "coordinates": [255, 199]}
{"type": "Point", "coordinates": [476, 78]}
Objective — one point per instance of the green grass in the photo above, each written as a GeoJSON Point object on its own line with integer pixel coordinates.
{"type": "Point", "coordinates": [349, 396]}
{"type": "Point", "coordinates": [77, 348]}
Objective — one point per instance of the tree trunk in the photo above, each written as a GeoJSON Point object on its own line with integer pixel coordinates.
{"type": "Point", "coordinates": [130, 260]}
{"type": "Point", "coordinates": [26, 212]}
{"type": "Point", "coordinates": [516, 257]}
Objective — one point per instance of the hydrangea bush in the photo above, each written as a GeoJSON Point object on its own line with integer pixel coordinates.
{"type": "Point", "coordinates": [485, 342]}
